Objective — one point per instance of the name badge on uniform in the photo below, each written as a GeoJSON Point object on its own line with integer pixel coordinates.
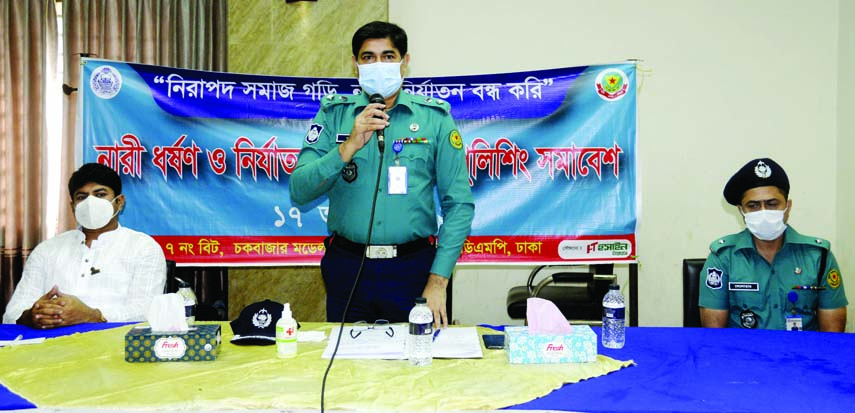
{"type": "Point", "coordinates": [794, 323]}
{"type": "Point", "coordinates": [397, 180]}
{"type": "Point", "coordinates": [737, 286]}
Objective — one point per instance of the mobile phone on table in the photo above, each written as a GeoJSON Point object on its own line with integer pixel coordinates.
{"type": "Point", "coordinates": [494, 341]}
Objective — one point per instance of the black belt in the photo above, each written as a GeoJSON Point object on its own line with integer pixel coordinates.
{"type": "Point", "coordinates": [380, 251]}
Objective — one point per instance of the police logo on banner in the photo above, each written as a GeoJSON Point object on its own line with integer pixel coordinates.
{"type": "Point", "coordinates": [612, 84]}
{"type": "Point", "coordinates": [714, 278]}
{"type": "Point", "coordinates": [105, 82]}
{"type": "Point", "coordinates": [314, 133]}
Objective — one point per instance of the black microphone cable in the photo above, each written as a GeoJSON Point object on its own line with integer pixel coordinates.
{"type": "Point", "coordinates": [358, 274]}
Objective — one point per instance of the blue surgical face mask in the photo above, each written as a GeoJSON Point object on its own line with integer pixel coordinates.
{"type": "Point", "coordinates": [382, 78]}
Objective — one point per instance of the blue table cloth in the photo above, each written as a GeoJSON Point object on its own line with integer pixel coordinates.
{"type": "Point", "coordinates": [677, 370]}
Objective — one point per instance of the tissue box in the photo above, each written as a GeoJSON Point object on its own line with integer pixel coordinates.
{"type": "Point", "coordinates": [580, 346]}
{"type": "Point", "coordinates": [200, 343]}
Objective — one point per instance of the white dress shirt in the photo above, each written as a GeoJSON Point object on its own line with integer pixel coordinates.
{"type": "Point", "coordinates": [119, 274]}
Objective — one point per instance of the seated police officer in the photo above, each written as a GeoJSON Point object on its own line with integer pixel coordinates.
{"type": "Point", "coordinates": [100, 272]}
{"type": "Point", "coordinates": [769, 276]}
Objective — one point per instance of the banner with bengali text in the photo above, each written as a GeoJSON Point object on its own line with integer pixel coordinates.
{"type": "Point", "coordinates": [205, 159]}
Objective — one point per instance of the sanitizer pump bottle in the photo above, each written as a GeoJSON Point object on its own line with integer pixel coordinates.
{"type": "Point", "coordinates": [286, 334]}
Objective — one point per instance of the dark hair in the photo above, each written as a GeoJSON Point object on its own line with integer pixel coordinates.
{"type": "Point", "coordinates": [380, 30]}
{"type": "Point", "coordinates": [97, 173]}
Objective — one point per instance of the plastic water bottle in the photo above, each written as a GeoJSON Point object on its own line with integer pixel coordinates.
{"type": "Point", "coordinates": [286, 334]}
{"type": "Point", "coordinates": [420, 339]}
{"type": "Point", "coordinates": [614, 316]}
{"type": "Point", "coordinates": [189, 301]}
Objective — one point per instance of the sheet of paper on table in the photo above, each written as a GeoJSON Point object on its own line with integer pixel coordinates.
{"type": "Point", "coordinates": [18, 342]}
{"type": "Point", "coordinates": [452, 342]}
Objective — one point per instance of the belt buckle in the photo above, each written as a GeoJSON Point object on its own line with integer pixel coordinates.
{"type": "Point", "coordinates": [382, 251]}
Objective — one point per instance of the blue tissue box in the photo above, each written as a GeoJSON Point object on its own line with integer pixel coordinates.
{"type": "Point", "coordinates": [580, 346]}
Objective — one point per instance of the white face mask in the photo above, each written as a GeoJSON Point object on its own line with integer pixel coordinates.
{"type": "Point", "coordinates": [766, 224]}
{"type": "Point", "coordinates": [382, 78]}
{"type": "Point", "coordinates": [94, 212]}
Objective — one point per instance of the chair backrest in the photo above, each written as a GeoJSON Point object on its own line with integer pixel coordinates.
{"type": "Point", "coordinates": [169, 285]}
{"type": "Point", "coordinates": [577, 294]}
{"type": "Point", "coordinates": [691, 283]}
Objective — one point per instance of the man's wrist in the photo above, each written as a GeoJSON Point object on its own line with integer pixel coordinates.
{"type": "Point", "coordinates": [26, 318]}
{"type": "Point", "coordinates": [344, 152]}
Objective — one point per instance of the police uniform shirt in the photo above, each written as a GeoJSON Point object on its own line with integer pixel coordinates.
{"type": "Point", "coordinates": [740, 280]}
{"type": "Point", "coordinates": [432, 151]}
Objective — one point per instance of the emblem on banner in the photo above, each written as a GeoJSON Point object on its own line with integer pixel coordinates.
{"type": "Point", "coordinates": [105, 82]}
{"type": "Point", "coordinates": [612, 84]}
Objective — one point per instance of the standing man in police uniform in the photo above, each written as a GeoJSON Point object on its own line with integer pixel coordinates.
{"type": "Point", "coordinates": [769, 276]}
{"type": "Point", "coordinates": [342, 157]}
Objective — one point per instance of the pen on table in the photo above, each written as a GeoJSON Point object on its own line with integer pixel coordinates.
{"type": "Point", "coordinates": [807, 287]}
{"type": "Point", "coordinates": [436, 333]}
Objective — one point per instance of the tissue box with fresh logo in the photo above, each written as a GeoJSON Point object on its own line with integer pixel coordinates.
{"type": "Point", "coordinates": [578, 346]}
{"type": "Point", "coordinates": [199, 343]}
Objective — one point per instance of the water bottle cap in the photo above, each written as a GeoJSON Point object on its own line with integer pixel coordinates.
{"type": "Point", "coordinates": [614, 287]}
{"type": "Point", "coordinates": [182, 283]}
{"type": "Point", "coordinates": [421, 300]}
{"type": "Point", "coordinates": [286, 311]}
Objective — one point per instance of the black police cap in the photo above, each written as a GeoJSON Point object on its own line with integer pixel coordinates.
{"type": "Point", "coordinates": [756, 173]}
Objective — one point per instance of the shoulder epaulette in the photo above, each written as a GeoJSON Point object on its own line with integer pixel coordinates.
{"type": "Point", "coordinates": [723, 242]}
{"type": "Point", "coordinates": [807, 240]}
{"type": "Point", "coordinates": [335, 99]}
{"type": "Point", "coordinates": [432, 102]}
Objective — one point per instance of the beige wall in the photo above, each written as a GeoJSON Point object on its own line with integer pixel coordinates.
{"type": "Point", "coordinates": [273, 37]}
{"type": "Point", "coordinates": [845, 215]}
{"type": "Point", "coordinates": [723, 82]}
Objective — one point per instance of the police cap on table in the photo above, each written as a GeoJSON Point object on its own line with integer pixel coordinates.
{"type": "Point", "coordinates": [756, 173]}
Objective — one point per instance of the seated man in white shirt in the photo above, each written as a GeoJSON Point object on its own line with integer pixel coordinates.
{"type": "Point", "coordinates": [98, 273]}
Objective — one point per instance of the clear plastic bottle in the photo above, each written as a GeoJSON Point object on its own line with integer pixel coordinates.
{"type": "Point", "coordinates": [614, 317]}
{"type": "Point", "coordinates": [286, 334]}
{"type": "Point", "coordinates": [420, 339]}
{"type": "Point", "coordinates": [190, 301]}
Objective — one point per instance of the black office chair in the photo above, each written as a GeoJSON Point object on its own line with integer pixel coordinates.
{"type": "Point", "coordinates": [691, 283]}
{"type": "Point", "coordinates": [577, 294]}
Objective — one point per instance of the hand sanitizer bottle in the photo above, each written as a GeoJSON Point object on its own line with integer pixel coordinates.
{"type": "Point", "coordinates": [286, 334]}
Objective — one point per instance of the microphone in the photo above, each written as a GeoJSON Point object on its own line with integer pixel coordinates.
{"type": "Point", "coordinates": [378, 98]}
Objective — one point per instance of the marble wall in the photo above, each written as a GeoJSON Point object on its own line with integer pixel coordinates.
{"type": "Point", "coordinates": [308, 38]}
